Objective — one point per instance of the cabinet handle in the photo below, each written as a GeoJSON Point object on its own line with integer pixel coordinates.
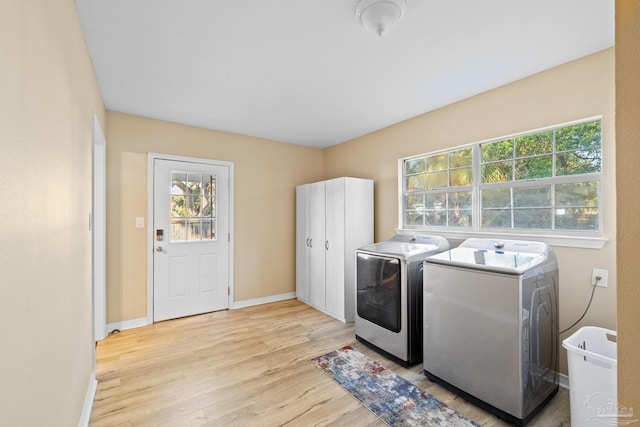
{"type": "Point", "coordinates": [307, 242]}
{"type": "Point", "coordinates": [310, 243]}
{"type": "Point", "coordinates": [326, 245]}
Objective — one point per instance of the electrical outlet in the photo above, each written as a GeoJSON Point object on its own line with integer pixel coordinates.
{"type": "Point", "coordinates": [140, 222]}
{"type": "Point", "coordinates": [603, 274]}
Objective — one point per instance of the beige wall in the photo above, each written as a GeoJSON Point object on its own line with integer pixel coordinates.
{"type": "Point", "coordinates": [48, 95]}
{"type": "Point", "coordinates": [576, 90]}
{"type": "Point", "coordinates": [266, 174]}
{"type": "Point", "coordinates": [628, 143]}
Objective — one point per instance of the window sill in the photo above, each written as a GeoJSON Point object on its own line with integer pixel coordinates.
{"type": "Point", "coordinates": [583, 242]}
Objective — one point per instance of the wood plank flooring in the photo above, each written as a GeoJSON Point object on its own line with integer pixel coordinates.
{"type": "Point", "coordinates": [248, 367]}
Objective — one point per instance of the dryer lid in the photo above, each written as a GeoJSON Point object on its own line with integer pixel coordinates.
{"type": "Point", "coordinates": [409, 246]}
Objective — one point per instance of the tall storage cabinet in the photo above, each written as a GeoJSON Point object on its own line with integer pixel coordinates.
{"type": "Point", "coordinates": [333, 219]}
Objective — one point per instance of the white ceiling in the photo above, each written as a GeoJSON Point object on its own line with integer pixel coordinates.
{"type": "Point", "coordinates": [304, 72]}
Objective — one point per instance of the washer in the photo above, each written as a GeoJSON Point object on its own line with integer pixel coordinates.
{"type": "Point", "coordinates": [491, 324]}
{"type": "Point", "coordinates": [389, 295]}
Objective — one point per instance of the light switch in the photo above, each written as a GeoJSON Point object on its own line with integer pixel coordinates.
{"type": "Point", "coordinates": [140, 222]}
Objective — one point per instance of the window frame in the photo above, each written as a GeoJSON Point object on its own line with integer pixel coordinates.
{"type": "Point", "coordinates": [558, 237]}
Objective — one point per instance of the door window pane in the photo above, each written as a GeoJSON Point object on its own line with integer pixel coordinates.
{"type": "Point", "coordinates": [192, 212]}
{"type": "Point", "coordinates": [207, 207]}
{"type": "Point", "coordinates": [194, 183]}
{"type": "Point", "coordinates": [179, 183]}
{"type": "Point", "coordinates": [178, 230]}
{"type": "Point", "coordinates": [209, 184]}
{"type": "Point", "coordinates": [178, 207]}
{"type": "Point", "coordinates": [194, 230]}
{"type": "Point", "coordinates": [208, 229]}
{"type": "Point", "coordinates": [193, 206]}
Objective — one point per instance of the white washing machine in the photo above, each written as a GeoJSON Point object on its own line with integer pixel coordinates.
{"type": "Point", "coordinates": [389, 295]}
{"type": "Point", "coordinates": [491, 324]}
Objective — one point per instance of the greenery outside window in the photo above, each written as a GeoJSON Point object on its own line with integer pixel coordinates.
{"type": "Point", "coordinates": [543, 181]}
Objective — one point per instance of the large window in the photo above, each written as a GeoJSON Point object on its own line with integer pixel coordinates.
{"type": "Point", "coordinates": [542, 181]}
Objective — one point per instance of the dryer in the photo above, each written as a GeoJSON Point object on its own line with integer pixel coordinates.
{"type": "Point", "coordinates": [491, 324]}
{"type": "Point", "coordinates": [389, 295]}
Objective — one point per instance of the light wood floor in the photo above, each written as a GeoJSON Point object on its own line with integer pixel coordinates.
{"type": "Point", "coordinates": [248, 367]}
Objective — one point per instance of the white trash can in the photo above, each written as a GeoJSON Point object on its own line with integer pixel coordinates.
{"type": "Point", "coordinates": [593, 376]}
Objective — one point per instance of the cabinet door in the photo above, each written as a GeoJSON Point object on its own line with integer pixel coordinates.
{"type": "Point", "coordinates": [316, 244]}
{"type": "Point", "coordinates": [334, 246]}
{"type": "Point", "coordinates": [302, 237]}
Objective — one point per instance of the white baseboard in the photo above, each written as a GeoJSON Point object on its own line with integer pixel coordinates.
{"type": "Point", "coordinates": [264, 300]}
{"type": "Point", "coordinates": [87, 406]}
{"type": "Point", "coordinates": [143, 321]}
{"type": "Point", "coordinates": [564, 381]}
{"type": "Point", "coordinates": [127, 324]}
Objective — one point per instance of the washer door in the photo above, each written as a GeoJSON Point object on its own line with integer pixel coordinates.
{"type": "Point", "coordinates": [378, 296]}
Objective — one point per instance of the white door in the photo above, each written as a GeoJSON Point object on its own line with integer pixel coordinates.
{"type": "Point", "coordinates": [98, 222]}
{"type": "Point", "coordinates": [334, 245]}
{"type": "Point", "coordinates": [191, 238]}
{"type": "Point", "coordinates": [302, 243]}
{"type": "Point", "coordinates": [317, 295]}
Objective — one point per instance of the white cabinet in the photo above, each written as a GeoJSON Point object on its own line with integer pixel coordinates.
{"type": "Point", "coordinates": [333, 219]}
{"type": "Point", "coordinates": [310, 252]}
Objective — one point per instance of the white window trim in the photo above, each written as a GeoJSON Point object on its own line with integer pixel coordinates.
{"type": "Point", "coordinates": [573, 239]}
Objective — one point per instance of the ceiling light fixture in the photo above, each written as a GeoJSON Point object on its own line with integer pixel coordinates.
{"type": "Point", "coordinates": [379, 16]}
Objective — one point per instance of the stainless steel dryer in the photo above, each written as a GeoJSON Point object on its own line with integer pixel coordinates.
{"type": "Point", "coordinates": [389, 294]}
{"type": "Point", "coordinates": [491, 324]}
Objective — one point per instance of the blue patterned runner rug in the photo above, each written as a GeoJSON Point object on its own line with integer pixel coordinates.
{"type": "Point", "coordinates": [392, 398]}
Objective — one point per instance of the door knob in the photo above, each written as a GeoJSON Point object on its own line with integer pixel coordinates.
{"type": "Point", "coordinates": [159, 249]}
